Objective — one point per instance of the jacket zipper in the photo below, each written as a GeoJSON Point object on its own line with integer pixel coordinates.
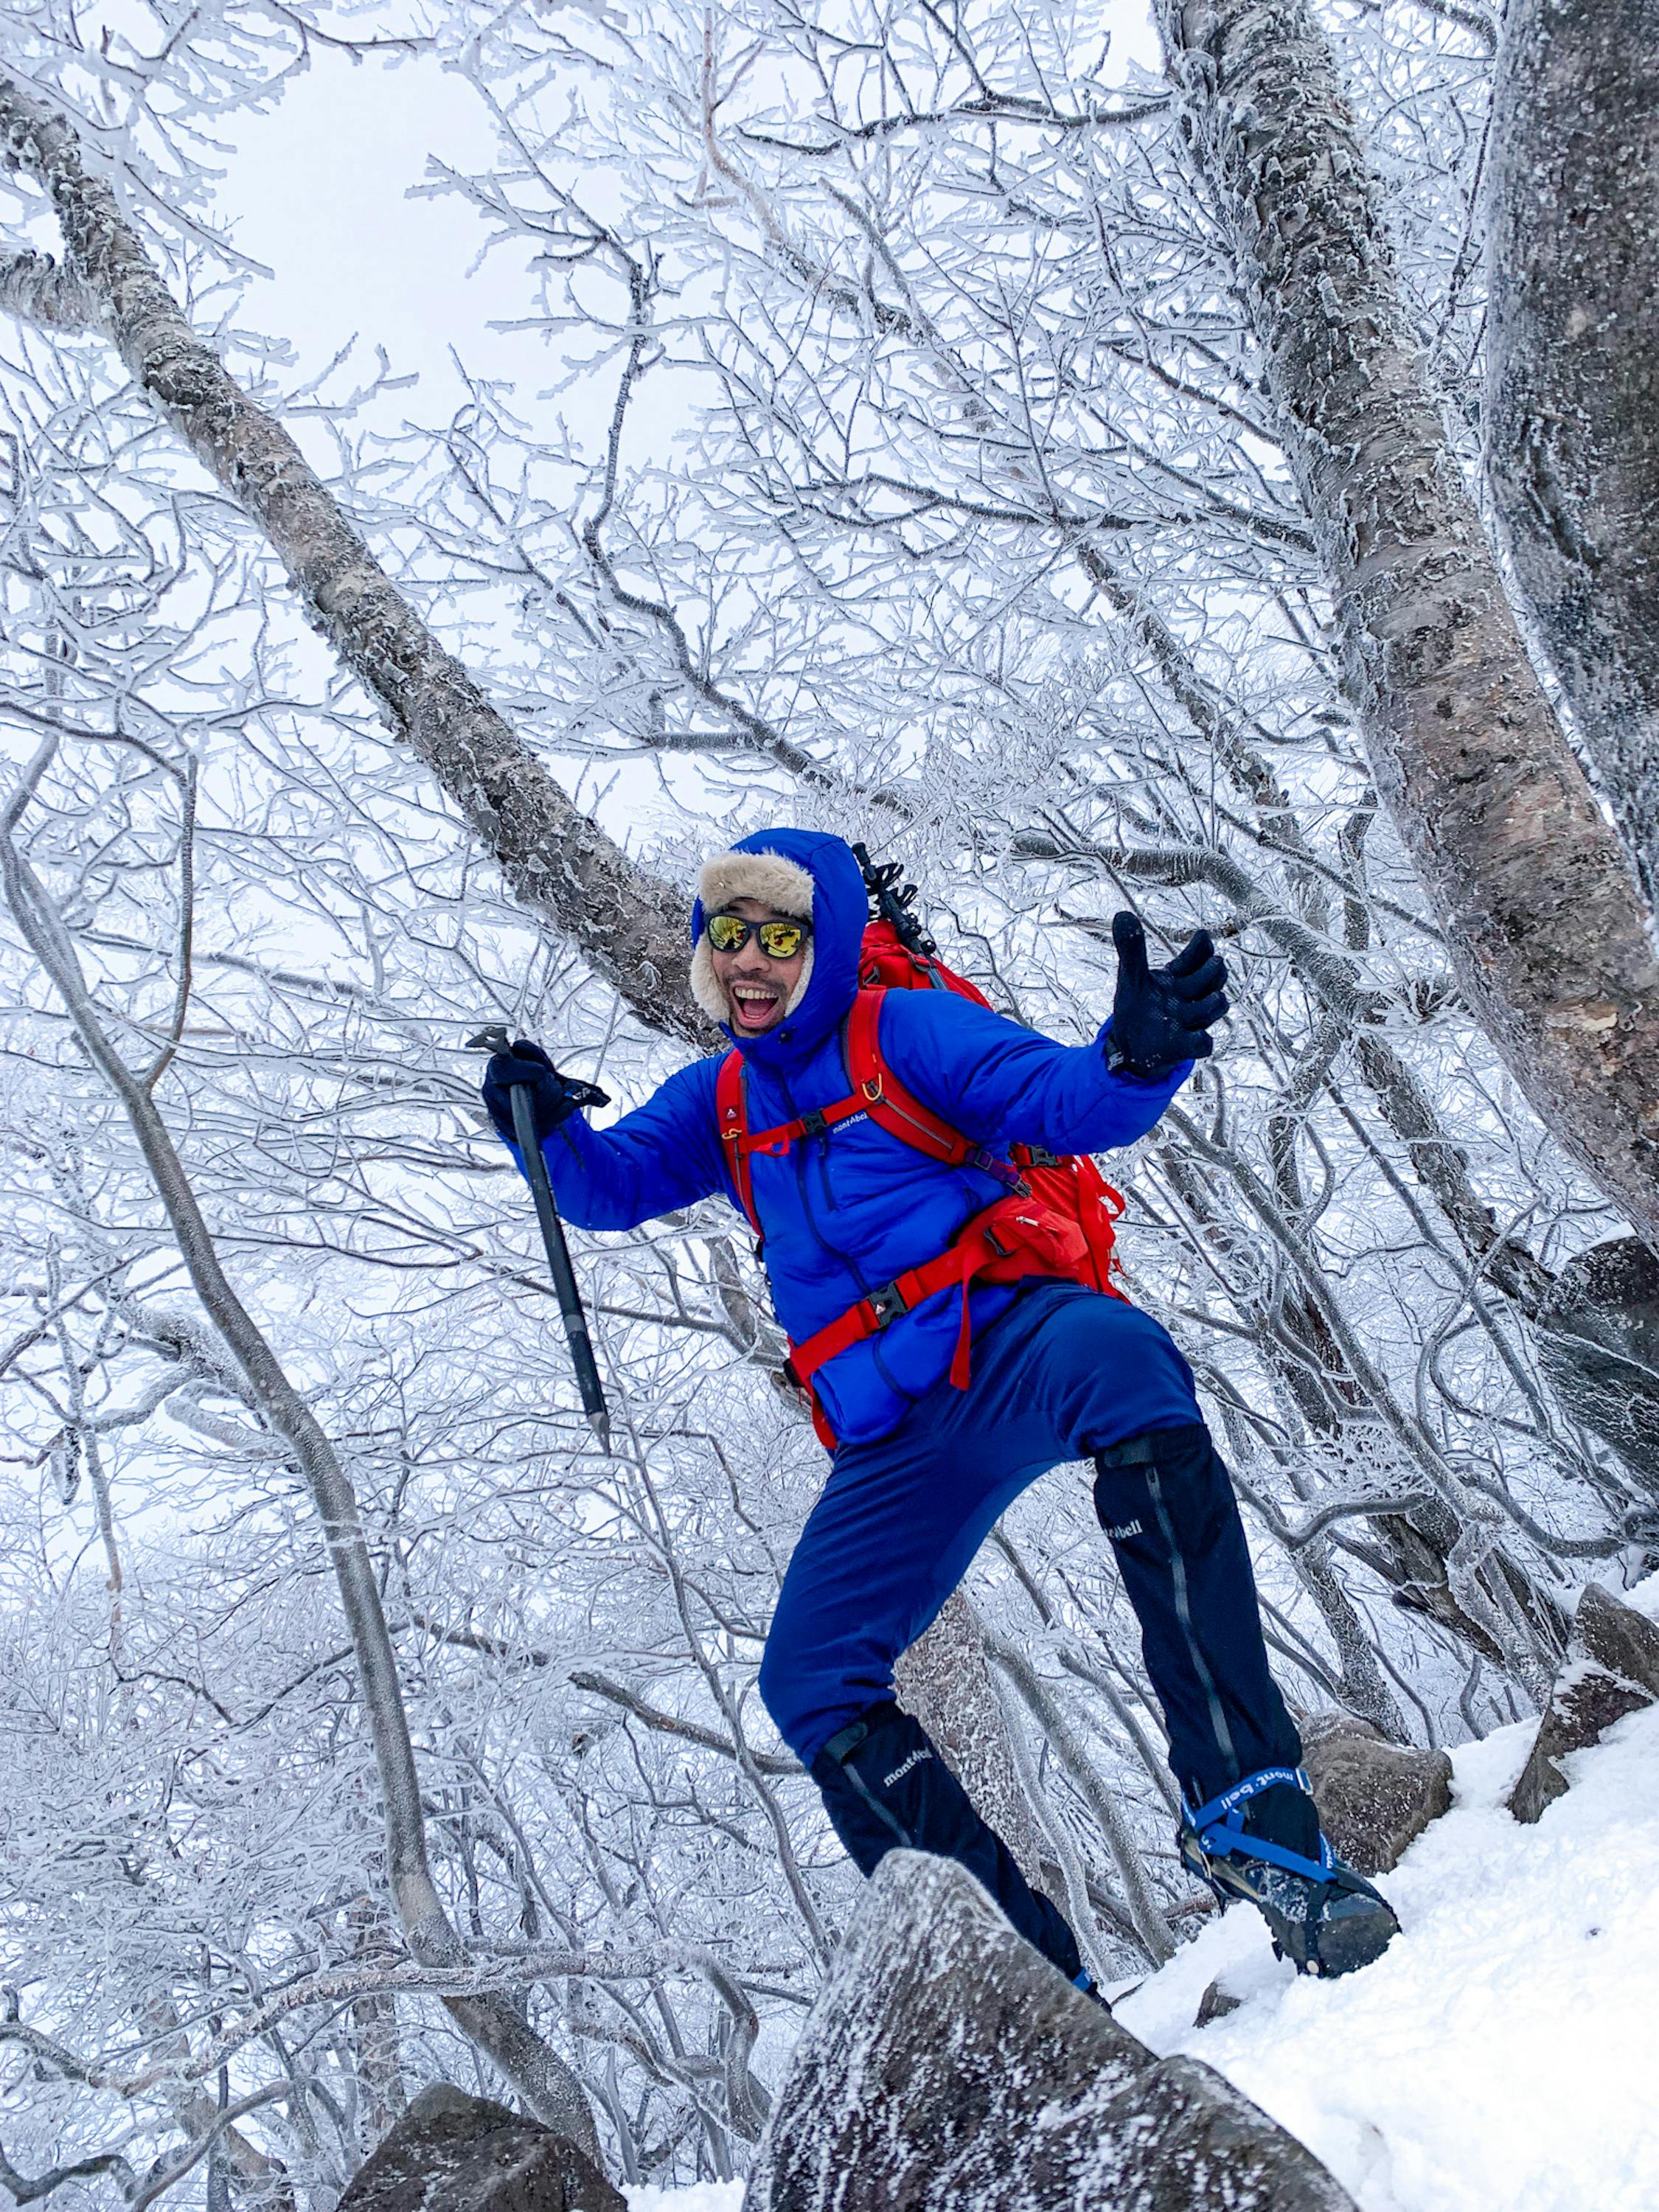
{"type": "Point", "coordinates": [824, 1243]}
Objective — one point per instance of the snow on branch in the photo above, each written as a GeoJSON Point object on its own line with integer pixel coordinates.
{"type": "Point", "coordinates": [628, 925]}
{"type": "Point", "coordinates": [1542, 916]}
{"type": "Point", "coordinates": [38, 289]}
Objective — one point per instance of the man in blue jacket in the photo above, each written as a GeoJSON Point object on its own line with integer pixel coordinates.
{"type": "Point", "coordinates": [923, 1469]}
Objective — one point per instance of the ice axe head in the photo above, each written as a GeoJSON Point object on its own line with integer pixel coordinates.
{"type": "Point", "coordinates": [494, 1039]}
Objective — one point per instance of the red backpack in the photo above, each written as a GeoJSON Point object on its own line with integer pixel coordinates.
{"type": "Point", "coordinates": [1057, 1217]}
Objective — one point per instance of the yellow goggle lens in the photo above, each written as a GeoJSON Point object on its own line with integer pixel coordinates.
{"type": "Point", "coordinates": [778, 941]}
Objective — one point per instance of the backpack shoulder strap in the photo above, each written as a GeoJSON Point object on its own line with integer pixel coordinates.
{"type": "Point", "coordinates": [898, 1111]}
{"type": "Point", "coordinates": [863, 1035]}
{"type": "Point", "coordinates": [732, 1114]}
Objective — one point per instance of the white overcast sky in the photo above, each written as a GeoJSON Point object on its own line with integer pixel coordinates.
{"type": "Point", "coordinates": [318, 192]}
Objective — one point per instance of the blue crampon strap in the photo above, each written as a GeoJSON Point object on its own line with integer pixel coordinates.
{"type": "Point", "coordinates": [1219, 1826]}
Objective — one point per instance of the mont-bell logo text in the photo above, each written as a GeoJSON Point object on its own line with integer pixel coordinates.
{"type": "Point", "coordinates": [904, 1766]}
{"type": "Point", "coordinates": [1122, 1533]}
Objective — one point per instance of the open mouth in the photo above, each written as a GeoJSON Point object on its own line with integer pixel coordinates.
{"type": "Point", "coordinates": [754, 1006]}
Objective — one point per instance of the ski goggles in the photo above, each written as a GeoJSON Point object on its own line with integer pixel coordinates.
{"type": "Point", "coordinates": [778, 941]}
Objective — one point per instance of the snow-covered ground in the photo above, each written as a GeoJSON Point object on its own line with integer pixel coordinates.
{"type": "Point", "coordinates": [1501, 2054]}
{"type": "Point", "coordinates": [705, 2197]}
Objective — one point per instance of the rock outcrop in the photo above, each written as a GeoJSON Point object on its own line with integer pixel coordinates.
{"type": "Point", "coordinates": [1374, 1797]}
{"type": "Point", "coordinates": [946, 2068]}
{"type": "Point", "coordinates": [1611, 1668]}
{"type": "Point", "coordinates": [452, 2153]}
{"type": "Point", "coordinates": [1598, 1336]}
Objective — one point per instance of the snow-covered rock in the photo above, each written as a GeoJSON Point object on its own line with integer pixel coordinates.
{"type": "Point", "coordinates": [1375, 1798]}
{"type": "Point", "coordinates": [1499, 2057]}
{"type": "Point", "coordinates": [1611, 1668]}
{"type": "Point", "coordinates": [464, 2155]}
{"type": "Point", "coordinates": [946, 2068]}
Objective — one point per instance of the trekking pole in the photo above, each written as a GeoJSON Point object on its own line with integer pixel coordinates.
{"type": "Point", "coordinates": [894, 901]}
{"type": "Point", "coordinates": [496, 1039]}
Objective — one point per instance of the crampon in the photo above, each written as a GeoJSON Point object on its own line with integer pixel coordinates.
{"type": "Point", "coordinates": [1324, 1918]}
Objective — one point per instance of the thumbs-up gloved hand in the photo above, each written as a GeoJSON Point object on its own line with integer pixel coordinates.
{"type": "Point", "coordinates": [553, 1097]}
{"type": "Point", "coordinates": [1161, 1016]}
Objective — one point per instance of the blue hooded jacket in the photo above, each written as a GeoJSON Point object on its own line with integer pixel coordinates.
{"type": "Point", "coordinates": [845, 1212]}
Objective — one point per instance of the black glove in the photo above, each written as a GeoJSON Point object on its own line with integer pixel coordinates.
{"type": "Point", "coordinates": [1161, 1016]}
{"type": "Point", "coordinates": [553, 1097]}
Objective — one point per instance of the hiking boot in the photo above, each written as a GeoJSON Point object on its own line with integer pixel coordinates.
{"type": "Point", "coordinates": [1325, 1918]}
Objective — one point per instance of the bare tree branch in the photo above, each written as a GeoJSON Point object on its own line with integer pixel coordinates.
{"type": "Point", "coordinates": [499, 2031]}
{"type": "Point", "coordinates": [27, 2190]}
{"type": "Point", "coordinates": [561, 864]}
{"type": "Point", "coordinates": [37, 289]}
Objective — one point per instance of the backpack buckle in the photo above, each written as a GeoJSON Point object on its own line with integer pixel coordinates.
{"type": "Point", "coordinates": [814, 1124]}
{"type": "Point", "coordinates": [886, 1304]}
{"type": "Point", "coordinates": [1002, 1171]}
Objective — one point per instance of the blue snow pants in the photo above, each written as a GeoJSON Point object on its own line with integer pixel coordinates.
{"type": "Point", "coordinates": [1065, 1373]}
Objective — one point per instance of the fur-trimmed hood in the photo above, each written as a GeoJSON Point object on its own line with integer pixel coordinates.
{"type": "Point", "coordinates": [772, 878]}
{"type": "Point", "coordinates": [800, 872]}
{"type": "Point", "coordinates": [781, 884]}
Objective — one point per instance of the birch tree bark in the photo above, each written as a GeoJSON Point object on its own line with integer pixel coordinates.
{"type": "Point", "coordinates": [1542, 916]}
{"type": "Point", "coordinates": [1599, 1338]}
{"type": "Point", "coordinates": [1572, 372]}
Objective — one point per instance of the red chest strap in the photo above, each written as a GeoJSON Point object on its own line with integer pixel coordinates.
{"type": "Point", "coordinates": [877, 1093]}
{"type": "Point", "coordinates": [901, 1113]}
{"type": "Point", "coordinates": [775, 1142]}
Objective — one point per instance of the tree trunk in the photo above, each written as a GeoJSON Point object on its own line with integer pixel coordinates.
{"type": "Point", "coordinates": [1572, 372]}
{"type": "Point", "coordinates": [1543, 920]}
{"type": "Point", "coordinates": [629, 926]}
{"type": "Point", "coordinates": [1599, 1341]}
{"type": "Point", "coordinates": [1046, 1710]}
{"type": "Point", "coordinates": [382, 2094]}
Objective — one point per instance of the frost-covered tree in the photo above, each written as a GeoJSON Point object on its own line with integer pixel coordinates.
{"type": "Point", "coordinates": [1081, 499]}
